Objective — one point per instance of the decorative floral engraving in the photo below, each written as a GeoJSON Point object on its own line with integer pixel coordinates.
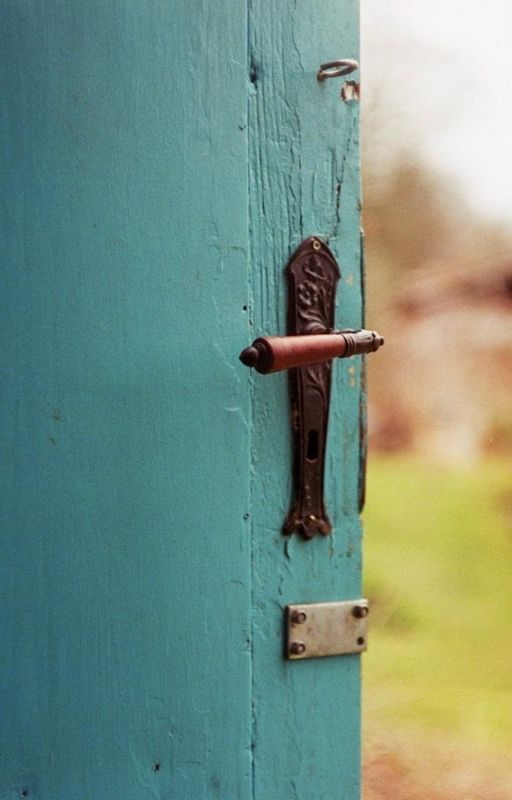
{"type": "Point", "coordinates": [313, 292]}
{"type": "Point", "coordinates": [312, 276]}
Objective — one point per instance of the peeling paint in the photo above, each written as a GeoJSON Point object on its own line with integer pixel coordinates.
{"type": "Point", "coordinates": [350, 92]}
{"type": "Point", "coordinates": [303, 145]}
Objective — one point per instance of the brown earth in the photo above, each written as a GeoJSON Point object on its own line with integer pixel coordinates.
{"type": "Point", "coordinates": [419, 768]}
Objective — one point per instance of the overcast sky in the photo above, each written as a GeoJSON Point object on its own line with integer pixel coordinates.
{"type": "Point", "coordinates": [437, 74]}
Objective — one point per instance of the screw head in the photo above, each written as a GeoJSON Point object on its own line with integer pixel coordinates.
{"type": "Point", "coordinates": [298, 617]}
{"type": "Point", "coordinates": [360, 612]}
{"type": "Point", "coordinates": [297, 648]}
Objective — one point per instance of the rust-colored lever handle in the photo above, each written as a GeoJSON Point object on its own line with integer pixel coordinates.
{"type": "Point", "coordinates": [274, 353]}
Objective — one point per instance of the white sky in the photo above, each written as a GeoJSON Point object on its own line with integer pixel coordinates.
{"type": "Point", "coordinates": [437, 74]}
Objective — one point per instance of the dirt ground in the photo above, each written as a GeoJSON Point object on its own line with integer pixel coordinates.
{"type": "Point", "coordinates": [418, 768]}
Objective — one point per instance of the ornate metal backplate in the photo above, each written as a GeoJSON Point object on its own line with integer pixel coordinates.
{"type": "Point", "coordinates": [312, 277]}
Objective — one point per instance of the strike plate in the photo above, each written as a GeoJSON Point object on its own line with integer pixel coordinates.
{"type": "Point", "coordinates": [326, 629]}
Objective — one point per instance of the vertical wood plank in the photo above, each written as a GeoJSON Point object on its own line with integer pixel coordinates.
{"type": "Point", "coordinates": [125, 553]}
{"type": "Point", "coordinates": [304, 180]}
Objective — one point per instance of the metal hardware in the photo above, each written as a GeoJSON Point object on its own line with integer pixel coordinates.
{"type": "Point", "coordinates": [313, 274]}
{"type": "Point", "coordinates": [330, 629]}
{"type": "Point", "coordinates": [360, 612]}
{"type": "Point", "coordinates": [333, 69]}
{"type": "Point", "coordinates": [276, 353]}
{"type": "Point", "coordinates": [307, 352]}
{"type": "Point", "coordinates": [298, 617]}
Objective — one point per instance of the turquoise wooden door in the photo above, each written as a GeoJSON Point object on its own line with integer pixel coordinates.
{"type": "Point", "coordinates": [161, 160]}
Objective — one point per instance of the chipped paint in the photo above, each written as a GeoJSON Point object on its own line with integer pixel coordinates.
{"type": "Point", "coordinates": [350, 92]}
{"type": "Point", "coordinates": [304, 173]}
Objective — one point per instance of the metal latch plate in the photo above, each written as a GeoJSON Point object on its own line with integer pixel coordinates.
{"type": "Point", "coordinates": [326, 629]}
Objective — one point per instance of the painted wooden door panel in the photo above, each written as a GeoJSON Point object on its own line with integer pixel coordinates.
{"type": "Point", "coordinates": [125, 588]}
{"type": "Point", "coordinates": [160, 161]}
{"type": "Point", "coordinates": [304, 180]}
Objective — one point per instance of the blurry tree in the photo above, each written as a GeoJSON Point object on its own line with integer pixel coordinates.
{"type": "Point", "coordinates": [426, 249]}
{"type": "Point", "coordinates": [417, 222]}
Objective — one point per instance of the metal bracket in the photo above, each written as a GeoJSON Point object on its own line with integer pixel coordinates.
{"type": "Point", "coordinates": [326, 629]}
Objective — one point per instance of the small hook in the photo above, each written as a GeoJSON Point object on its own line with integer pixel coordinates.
{"type": "Point", "coordinates": [333, 69]}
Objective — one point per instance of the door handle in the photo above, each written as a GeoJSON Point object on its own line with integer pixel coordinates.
{"type": "Point", "coordinates": [307, 352]}
{"type": "Point", "coordinates": [274, 353]}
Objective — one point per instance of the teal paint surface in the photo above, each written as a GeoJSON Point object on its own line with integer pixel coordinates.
{"type": "Point", "coordinates": [125, 555]}
{"type": "Point", "coordinates": [304, 180]}
{"type": "Point", "coordinates": [145, 473]}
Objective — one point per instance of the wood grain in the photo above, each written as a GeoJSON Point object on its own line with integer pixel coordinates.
{"type": "Point", "coordinates": [125, 553]}
{"type": "Point", "coordinates": [304, 181]}
{"type": "Point", "coordinates": [161, 161]}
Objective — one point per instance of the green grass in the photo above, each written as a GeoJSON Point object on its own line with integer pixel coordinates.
{"type": "Point", "coordinates": [438, 568]}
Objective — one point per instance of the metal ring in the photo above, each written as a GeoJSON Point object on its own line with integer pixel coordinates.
{"type": "Point", "coordinates": [333, 69]}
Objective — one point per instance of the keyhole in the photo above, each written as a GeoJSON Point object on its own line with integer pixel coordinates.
{"type": "Point", "coordinates": [312, 448]}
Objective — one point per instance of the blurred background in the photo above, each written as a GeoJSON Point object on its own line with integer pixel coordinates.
{"type": "Point", "coordinates": [437, 184]}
